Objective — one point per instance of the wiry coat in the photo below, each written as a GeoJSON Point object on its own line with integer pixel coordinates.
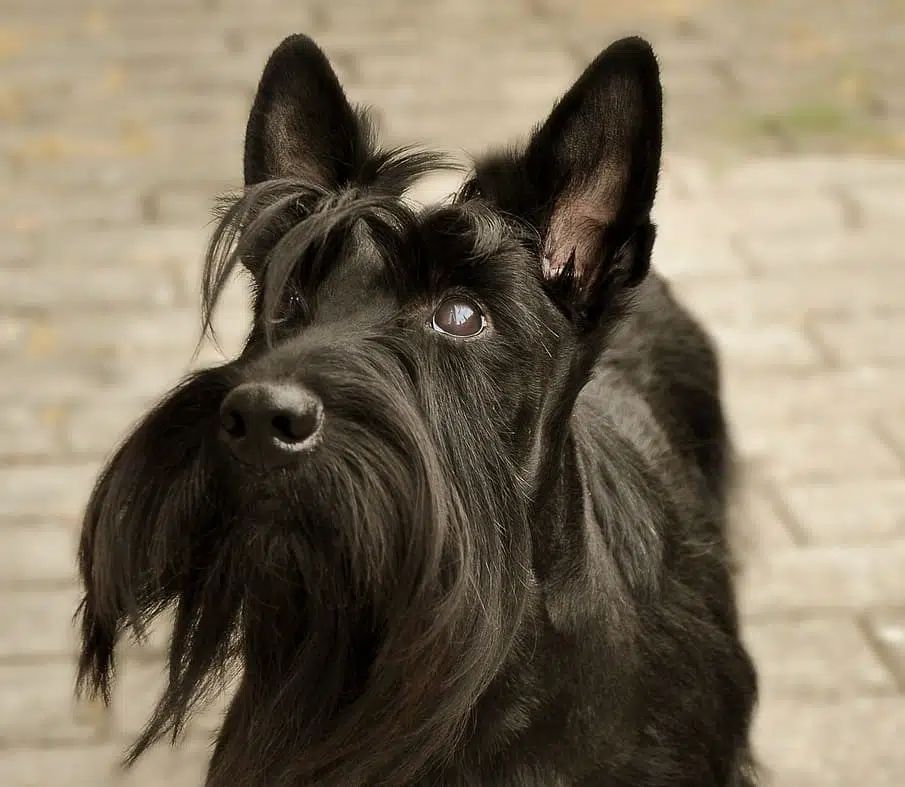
{"type": "Point", "coordinates": [504, 562]}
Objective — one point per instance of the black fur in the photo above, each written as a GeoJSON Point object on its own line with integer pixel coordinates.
{"type": "Point", "coordinates": [505, 562]}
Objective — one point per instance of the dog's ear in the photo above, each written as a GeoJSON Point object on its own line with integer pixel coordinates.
{"type": "Point", "coordinates": [587, 179]}
{"type": "Point", "coordinates": [301, 124]}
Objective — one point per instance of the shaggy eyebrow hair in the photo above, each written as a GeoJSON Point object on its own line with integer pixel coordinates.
{"type": "Point", "coordinates": [277, 227]}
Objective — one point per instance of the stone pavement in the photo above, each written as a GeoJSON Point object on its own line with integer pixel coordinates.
{"type": "Point", "coordinates": [784, 186]}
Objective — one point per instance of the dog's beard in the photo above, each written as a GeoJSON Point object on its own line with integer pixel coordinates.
{"type": "Point", "coordinates": [152, 516]}
{"type": "Point", "coordinates": [367, 601]}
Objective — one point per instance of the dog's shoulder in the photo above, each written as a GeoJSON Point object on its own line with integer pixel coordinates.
{"type": "Point", "coordinates": [656, 348]}
{"type": "Point", "coordinates": [657, 385]}
{"type": "Point", "coordinates": [659, 335]}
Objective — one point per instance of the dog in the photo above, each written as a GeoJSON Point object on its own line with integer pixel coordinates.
{"type": "Point", "coordinates": [457, 513]}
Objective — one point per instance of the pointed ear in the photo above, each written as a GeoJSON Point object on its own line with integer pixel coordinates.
{"type": "Point", "coordinates": [301, 124]}
{"type": "Point", "coordinates": [588, 176]}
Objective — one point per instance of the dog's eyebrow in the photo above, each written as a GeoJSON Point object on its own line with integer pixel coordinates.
{"type": "Point", "coordinates": [484, 230]}
{"type": "Point", "coordinates": [270, 227]}
{"type": "Point", "coordinates": [247, 223]}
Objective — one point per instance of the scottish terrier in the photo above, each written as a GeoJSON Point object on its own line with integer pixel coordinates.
{"type": "Point", "coordinates": [456, 515]}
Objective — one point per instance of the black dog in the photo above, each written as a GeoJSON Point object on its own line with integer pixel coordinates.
{"type": "Point", "coordinates": [457, 513]}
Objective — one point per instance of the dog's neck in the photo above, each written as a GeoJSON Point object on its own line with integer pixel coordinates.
{"type": "Point", "coordinates": [576, 586]}
{"type": "Point", "coordinates": [568, 543]}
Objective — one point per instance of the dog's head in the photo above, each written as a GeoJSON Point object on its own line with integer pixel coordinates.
{"type": "Point", "coordinates": [347, 511]}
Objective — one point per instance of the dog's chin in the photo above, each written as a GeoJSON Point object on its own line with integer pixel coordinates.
{"type": "Point", "coordinates": [344, 531]}
{"type": "Point", "coordinates": [277, 501]}
{"type": "Point", "coordinates": [300, 499]}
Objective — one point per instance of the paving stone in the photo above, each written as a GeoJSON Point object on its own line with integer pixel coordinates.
{"type": "Point", "coordinates": [758, 528]}
{"type": "Point", "coordinates": [849, 512]}
{"type": "Point", "coordinates": [833, 742]}
{"type": "Point", "coordinates": [46, 381]}
{"type": "Point", "coordinates": [797, 294]}
{"type": "Point", "coordinates": [139, 687]}
{"type": "Point", "coordinates": [175, 244]}
{"type": "Point", "coordinates": [12, 333]}
{"type": "Point", "coordinates": [821, 172]}
{"type": "Point", "coordinates": [784, 212]}
{"type": "Point", "coordinates": [818, 579]}
{"type": "Point", "coordinates": [692, 176]}
{"type": "Point", "coordinates": [818, 656]}
{"type": "Point", "coordinates": [37, 491]}
{"type": "Point", "coordinates": [880, 204]}
{"type": "Point", "coordinates": [155, 643]}
{"type": "Point", "coordinates": [892, 426]}
{"type": "Point", "coordinates": [96, 427]}
{"type": "Point", "coordinates": [811, 253]}
{"type": "Point", "coordinates": [173, 331]}
{"type": "Point", "coordinates": [52, 286]}
{"type": "Point", "coordinates": [39, 552]}
{"type": "Point", "coordinates": [867, 339]}
{"type": "Point", "coordinates": [768, 344]}
{"type": "Point", "coordinates": [839, 449]}
{"type": "Point", "coordinates": [687, 245]}
{"type": "Point", "coordinates": [16, 250]}
{"type": "Point", "coordinates": [27, 432]}
{"type": "Point", "coordinates": [776, 399]}
{"type": "Point", "coordinates": [37, 623]}
{"type": "Point", "coordinates": [39, 705]}
{"type": "Point", "coordinates": [175, 204]}
{"type": "Point", "coordinates": [91, 766]}
{"type": "Point", "coordinates": [888, 631]}
{"type": "Point", "coordinates": [141, 246]}
{"type": "Point", "coordinates": [235, 299]}
{"type": "Point", "coordinates": [117, 208]}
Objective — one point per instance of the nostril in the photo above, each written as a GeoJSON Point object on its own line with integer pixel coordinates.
{"type": "Point", "coordinates": [233, 424]}
{"type": "Point", "coordinates": [295, 427]}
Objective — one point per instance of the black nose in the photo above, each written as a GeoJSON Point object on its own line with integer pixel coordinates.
{"type": "Point", "coordinates": [268, 424]}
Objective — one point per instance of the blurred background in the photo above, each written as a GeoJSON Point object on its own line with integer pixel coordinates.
{"type": "Point", "coordinates": [781, 211]}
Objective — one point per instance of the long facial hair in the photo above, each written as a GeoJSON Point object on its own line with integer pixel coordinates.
{"type": "Point", "coordinates": [367, 598]}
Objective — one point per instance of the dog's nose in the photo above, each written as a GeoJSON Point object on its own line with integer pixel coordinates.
{"type": "Point", "coordinates": [267, 424]}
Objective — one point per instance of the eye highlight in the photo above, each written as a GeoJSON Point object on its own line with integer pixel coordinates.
{"type": "Point", "coordinates": [293, 309]}
{"type": "Point", "coordinates": [458, 316]}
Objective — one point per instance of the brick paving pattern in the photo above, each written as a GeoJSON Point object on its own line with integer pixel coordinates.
{"type": "Point", "coordinates": [783, 192]}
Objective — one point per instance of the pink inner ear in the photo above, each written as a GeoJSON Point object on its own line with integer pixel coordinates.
{"type": "Point", "coordinates": [576, 229]}
{"type": "Point", "coordinates": [578, 222]}
{"type": "Point", "coordinates": [570, 232]}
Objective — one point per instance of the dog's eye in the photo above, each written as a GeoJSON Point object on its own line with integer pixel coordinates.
{"type": "Point", "coordinates": [295, 302]}
{"type": "Point", "coordinates": [458, 316]}
{"type": "Point", "coordinates": [295, 308]}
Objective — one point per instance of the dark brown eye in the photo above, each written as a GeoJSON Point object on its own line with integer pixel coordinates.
{"type": "Point", "coordinates": [458, 316]}
{"type": "Point", "coordinates": [293, 309]}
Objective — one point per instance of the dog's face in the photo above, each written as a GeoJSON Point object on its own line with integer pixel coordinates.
{"type": "Point", "coordinates": [346, 510]}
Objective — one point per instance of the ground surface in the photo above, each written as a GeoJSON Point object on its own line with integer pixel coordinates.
{"type": "Point", "coordinates": [781, 212]}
